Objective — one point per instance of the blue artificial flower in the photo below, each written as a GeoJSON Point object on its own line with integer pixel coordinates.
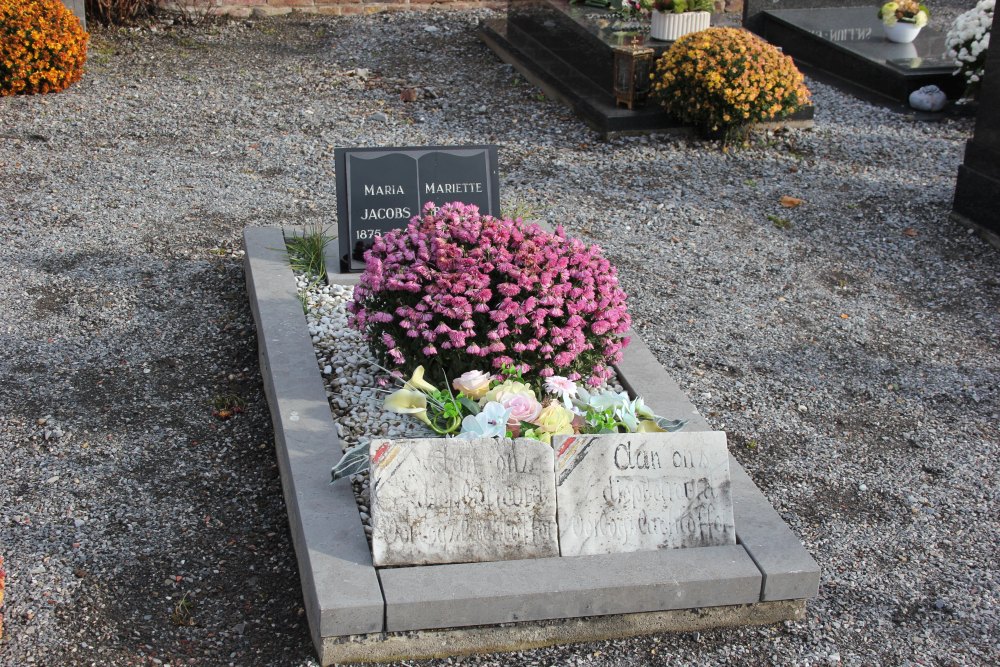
{"type": "Point", "coordinates": [491, 422]}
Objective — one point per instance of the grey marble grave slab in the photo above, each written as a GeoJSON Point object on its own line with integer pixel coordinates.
{"type": "Point", "coordinates": [643, 491]}
{"type": "Point", "coordinates": [437, 500]}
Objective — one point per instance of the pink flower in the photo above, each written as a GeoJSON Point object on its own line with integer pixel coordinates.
{"type": "Point", "coordinates": [560, 386]}
{"type": "Point", "coordinates": [457, 281]}
{"type": "Point", "coordinates": [473, 384]}
{"type": "Point", "coordinates": [522, 409]}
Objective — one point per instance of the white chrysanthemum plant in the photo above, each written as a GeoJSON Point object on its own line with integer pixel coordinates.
{"type": "Point", "coordinates": [906, 11]}
{"type": "Point", "coordinates": [968, 41]}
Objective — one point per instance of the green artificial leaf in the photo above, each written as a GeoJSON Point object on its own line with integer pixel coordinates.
{"type": "Point", "coordinates": [353, 461]}
{"type": "Point", "coordinates": [470, 405]}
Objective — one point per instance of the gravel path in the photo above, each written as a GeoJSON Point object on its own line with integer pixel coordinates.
{"type": "Point", "coordinates": [849, 346]}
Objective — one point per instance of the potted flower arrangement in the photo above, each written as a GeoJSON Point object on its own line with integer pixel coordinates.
{"type": "Point", "coordinates": [968, 42]}
{"type": "Point", "coordinates": [903, 20]}
{"type": "Point", "coordinates": [722, 80]}
{"type": "Point", "coordinates": [672, 19]}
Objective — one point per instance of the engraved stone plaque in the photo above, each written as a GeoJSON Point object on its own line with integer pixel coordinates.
{"type": "Point", "coordinates": [643, 491]}
{"type": "Point", "coordinates": [438, 500]}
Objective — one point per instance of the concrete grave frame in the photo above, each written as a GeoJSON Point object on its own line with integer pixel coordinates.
{"type": "Point", "coordinates": [358, 613]}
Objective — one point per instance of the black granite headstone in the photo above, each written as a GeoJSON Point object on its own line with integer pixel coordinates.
{"type": "Point", "coordinates": [978, 189]}
{"type": "Point", "coordinates": [753, 9]}
{"type": "Point", "coordinates": [849, 43]}
{"type": "Point", "coordinates": [380, 189]}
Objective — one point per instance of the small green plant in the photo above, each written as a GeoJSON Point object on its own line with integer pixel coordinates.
{"type": "Point", "coordinates": [779, 222]}
{"type": "Point", "coordinates": [307, 253]}
{"type": "Point", "coordinates": [226, 406]}
{"type": "Point", "coordinates": [681, 6]}
{"type": "Point", "coordinates": [520, 209]}
{"type": "Point", "coordinates": [181, 614]}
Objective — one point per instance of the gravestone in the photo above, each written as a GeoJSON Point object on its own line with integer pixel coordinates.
{"type": "Point", "coordinates": [380, 189]}
{"type": "Point", "coordinates": [978, 188]}
{"type": "Point", "coordinates": [753, 18]}
{"type": "Point", "coordinates": [643, 491]}
{"type": "Point", "coordinates": [849, 43]}
{"type": "Point", "coordinates": [438, 500]}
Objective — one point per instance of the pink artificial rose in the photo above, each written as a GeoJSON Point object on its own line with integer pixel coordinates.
{"type": "Point", "coordinates": [473, 384]}
{"type": "Point", "coordinates": [522, 408]}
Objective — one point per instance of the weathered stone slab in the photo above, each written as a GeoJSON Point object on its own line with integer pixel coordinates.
{"type": "Point", "coordinates": [643, 491]}
{"type": "Point", "coordinates": [461, 501]}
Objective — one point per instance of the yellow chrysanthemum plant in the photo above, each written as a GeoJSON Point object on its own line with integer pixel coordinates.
{"type": "Point", "coordinates": [722, 80]}
{"type": "Point", "coordinates": [42, 47]}
{"type": "Point", "coordinates": [907, 11]}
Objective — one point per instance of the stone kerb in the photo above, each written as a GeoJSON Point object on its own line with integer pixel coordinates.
{"type": "Point", "coordinates": [763, 578]}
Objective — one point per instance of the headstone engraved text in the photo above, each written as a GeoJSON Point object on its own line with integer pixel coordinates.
{"type": "Point", "coordinates": [643, 491]}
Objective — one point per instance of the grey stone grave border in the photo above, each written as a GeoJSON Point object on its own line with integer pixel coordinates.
{"type": "Point", "coordinates": [357, 612]}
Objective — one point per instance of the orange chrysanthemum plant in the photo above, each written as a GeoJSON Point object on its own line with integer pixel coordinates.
{"type": "Point", "coordinates": [42, 47]}
{"type": "Point", "coordinates": [722, 80]}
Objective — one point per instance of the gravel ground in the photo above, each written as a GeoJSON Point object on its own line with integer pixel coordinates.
{"type": "Point", "coordinates": [849, 346]}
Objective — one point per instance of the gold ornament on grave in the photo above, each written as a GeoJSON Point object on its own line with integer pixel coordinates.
{"type": "Point", "coordinates": [632, 65]}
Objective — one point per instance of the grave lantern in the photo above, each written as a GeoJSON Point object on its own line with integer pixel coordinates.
{"type": "Point", "coordinates": [632, 66]}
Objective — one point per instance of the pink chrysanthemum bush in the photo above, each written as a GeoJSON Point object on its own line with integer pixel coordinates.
{"type": "Point", "coordinates": [456, 290]}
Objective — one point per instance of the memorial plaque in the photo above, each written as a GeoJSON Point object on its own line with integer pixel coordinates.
{"type": "Point", "coordinates": [438, 500]}
{"type": "Point", "coordinates": [380, 189]}
{"type": "Point", "coordinates": [643, 491]}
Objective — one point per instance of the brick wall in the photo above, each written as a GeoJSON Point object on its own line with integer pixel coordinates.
{"type": "Point", "coordinates": [244, 8]}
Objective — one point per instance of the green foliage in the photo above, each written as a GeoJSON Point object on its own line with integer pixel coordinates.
{"type": "Point", "coordinates": [307, 253]}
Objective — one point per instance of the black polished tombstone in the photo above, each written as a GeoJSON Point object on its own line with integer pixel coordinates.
{"type": "Point", "coordinates": [381, 189]}
{"type": "Point", "coordinates": [848, 43]}
{"type": "Point", "coordinates": [977, 192]}
{"type": "Point", "coordinates": [568, 50]}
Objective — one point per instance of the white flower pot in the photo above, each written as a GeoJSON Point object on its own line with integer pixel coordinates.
{"type": "Point", "coordinates": [667, 26]}
{"type": "Point", "coordinates": [901, 32]}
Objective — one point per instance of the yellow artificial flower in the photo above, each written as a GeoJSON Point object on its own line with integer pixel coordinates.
{"type": "Point", "coordinates": [554, 419]}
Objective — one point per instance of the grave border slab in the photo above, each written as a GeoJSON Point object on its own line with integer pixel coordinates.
{"type": "Point", "coordinates": [765, 578]}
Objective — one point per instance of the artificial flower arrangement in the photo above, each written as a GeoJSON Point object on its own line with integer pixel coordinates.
{"type": "Point", "coordinates": [968, 42]}
{"type": "Point", "coordinates": [722, 80]}
{"type": "Point", "coordinates": [484, 405]}
{"type": "Point", "coordinates": [907, 11]}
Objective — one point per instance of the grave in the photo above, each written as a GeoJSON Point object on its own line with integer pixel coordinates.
{"type": "Point", "coordinates": [978, 187]}
{"type": "Point", "coordinates": [568, 51]}
{"type": "Point", "coordinates": [359, 611]}
{"type": "Point", "coordinates": [848, 44]}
